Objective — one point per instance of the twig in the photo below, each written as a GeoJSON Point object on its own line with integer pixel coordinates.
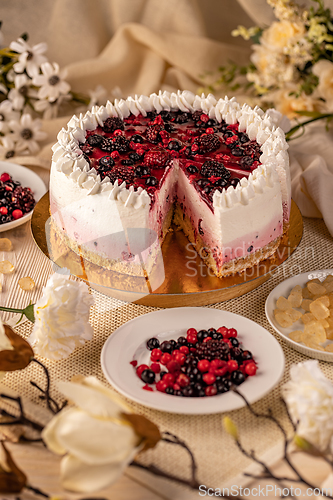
{"type": "Point", "coordinates": [52, 405]}
{"type": "Point", "coordinates": [21, 419]}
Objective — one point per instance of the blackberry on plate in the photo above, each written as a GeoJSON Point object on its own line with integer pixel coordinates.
{"type": "Point", "coordinates": [207, 143]}
{"type": "Point", "coordinates": [106, 145]}
{"type": "Point", "coordinates": [113, 123]}
{"type": "Point", "coordinates": [213, 168]}
{"type": "Point", "coordinates": [120, 144]}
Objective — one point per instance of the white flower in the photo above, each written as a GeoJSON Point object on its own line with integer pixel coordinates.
{"type": "Point", "coordinates": [21, 91]}
{"type": "Point", "coordinates": [51, 82]}
{"type": "Point", "coordinates": [97, 96]}
{"type": "Point", "coordinates": [324, 71]}
{"type": "Point", "coordinates": [61, 318]}
{"type": "Point", "coordinates": [7, 147]}
{"type": "Point", "coordinates": [26, 133]}
{"type": "Point", "coordinates": [5, 344]}
{"type": "Point", "coordinates": [50, 108]}
{"type": "Point", "coordinates": [31, 58]}
{"type": "Point", "coordinates": [98, 441]}
{"type": "Point", "coordinates": [309, 397]}
{"type": "Point", "coordinates": [7, 113]}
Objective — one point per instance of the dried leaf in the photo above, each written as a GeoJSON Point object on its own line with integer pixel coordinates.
{"type": "Point", "coordinates": [19, 357]}
{"type": "Point", "coordinates": [12, 479]}
{"type": "Point", "coordinates": [144, 428]}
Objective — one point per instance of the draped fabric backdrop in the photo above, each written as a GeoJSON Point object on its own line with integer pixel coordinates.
{"type": "Point", "coordinates": [142, 46]}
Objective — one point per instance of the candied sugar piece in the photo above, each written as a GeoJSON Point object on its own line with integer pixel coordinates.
{"type": "Point", "coordinates": [6, 267]}
{"type": "Point", "coordinates": [316, 288]}
{"type": "Point", "coordinates": [331, 299]}
{"type": "Point", "coordinates": [324, 299]}
{"type": "Point", "coordinates": [305, 305]}
{"type": "Point", "coordinates": [293, 314]}
{"type": "Point", "coordinates": [317, 330]}
{"type": "Point", "coordinates": [328, 279]}
{"type": "Point", "coordinates": [307, 318]}
{"type": "Point", "coordinates": [26, 283]}
{"type": "Point", "coordinates": [283, 319]}
{"type": "Point", "coordinates": [313, 345]}
{"type": "Point", "coordinates": [295, 296]}
{"type": "Point", "coordinates": [319, 310]}
{"type": "Point", "coordinates": [329, 287]}
{"type": "Point", "coordinates": [296, 335]}
{"type": "Point", "coordinates": [306, 294]}
{"type": "Point", "coordinates": [282, 303]}
{"type": "Point", "coordinates": [329, 348]}
{"type": "Point", "coordinates": [324, 323]}
{"type": "Point", "coordinates": [306, 337]}
{"type": "Point", "coordinates": [5, 245]}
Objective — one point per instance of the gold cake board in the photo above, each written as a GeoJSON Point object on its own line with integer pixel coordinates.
{"type": "Point", "coordinates": [188, 281]}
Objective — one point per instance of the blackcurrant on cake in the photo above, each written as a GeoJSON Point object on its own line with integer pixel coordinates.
{"type": "Point", "coordinates": [124, 173]}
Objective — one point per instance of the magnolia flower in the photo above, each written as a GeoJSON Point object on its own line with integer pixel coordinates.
{"type": "Point", "coordinates": [51, 82]}
{"type": "Point", "coordinates": [61, 318]}
{"type": "Point", "coordinates": [7, 113]}
{"type": "Point", "coordinates": [31, 58]}
{"type": "Point", "coordinates": [99, 443]}
{"type": "Point", "coordinates": [324, 71]}
{"type": "Point", "coordinates": [20, 92]}
{"type": "Point", "coordinates": [309, 397]}
{"type": "Point", "coordinates": [26, 133]}
{"type": "Point", "coordinates": [7, 147]}
{"type": "Point", "coordinates": [5, 344]}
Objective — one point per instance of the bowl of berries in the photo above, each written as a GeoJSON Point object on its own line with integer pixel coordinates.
{"type": "Point", "coordinates": [20, 190]}
{"type": "Point", "coordinates": [188, 359]}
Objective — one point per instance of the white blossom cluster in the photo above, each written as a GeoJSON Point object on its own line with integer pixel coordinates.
{"type": "Point", "coordinates": [31, 87]}
{"type": "Point", "coordinates": [292, 61]}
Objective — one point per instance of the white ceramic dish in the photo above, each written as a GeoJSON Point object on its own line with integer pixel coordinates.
{"type": "Point", "coordinates": [27, 178]}
{"type": "Point", "coordinates": [284, 289]}
{"type": "Point", "coordinates": [128, 343]}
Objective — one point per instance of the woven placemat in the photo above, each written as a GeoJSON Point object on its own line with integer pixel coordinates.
{"type": "Point", "coordinates": [218, 458]}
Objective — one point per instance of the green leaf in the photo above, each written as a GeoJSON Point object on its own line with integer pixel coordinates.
{"type": "Point", "coordinates": [29, 312]}
{"type": "Point", "coordinates": [311, 114]}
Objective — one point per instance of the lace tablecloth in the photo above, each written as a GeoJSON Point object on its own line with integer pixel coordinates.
{"type": "Point", "coordinates": [219, 460]}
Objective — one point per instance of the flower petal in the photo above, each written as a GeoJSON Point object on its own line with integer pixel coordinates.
{"type": "Point", "coordinates": [94, 441]}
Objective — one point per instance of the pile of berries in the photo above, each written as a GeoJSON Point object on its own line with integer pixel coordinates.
{"type": "Point", "coordinates": [204, 363]}
{"type": "Point", "coordinates": [15, 201]}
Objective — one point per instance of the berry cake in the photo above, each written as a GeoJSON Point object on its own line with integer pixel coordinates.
{"type": "Point", "coordinates": [122, 173]}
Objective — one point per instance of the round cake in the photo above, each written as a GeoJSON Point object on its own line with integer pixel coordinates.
{"type": "Point", "coordinates": [124, 174]}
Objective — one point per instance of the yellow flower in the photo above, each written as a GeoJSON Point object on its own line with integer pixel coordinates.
{"type": "Point", "coordinates": [324, 70]}
{"type": "Point", "coordinates": [280, 33]}
{"type": "Point", "coordinates": [289, 104]}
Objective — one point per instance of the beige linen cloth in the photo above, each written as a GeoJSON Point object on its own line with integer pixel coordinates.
{"type": "Point", "coordinates": [142, 46]}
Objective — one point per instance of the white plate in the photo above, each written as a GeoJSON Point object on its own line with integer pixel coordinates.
{"type": "Point", "coordinates": [27, 178]}
{"type": "Point", "coordinates": [129, 342]}
{"type": "Point", "coordinates": [284, 289]}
